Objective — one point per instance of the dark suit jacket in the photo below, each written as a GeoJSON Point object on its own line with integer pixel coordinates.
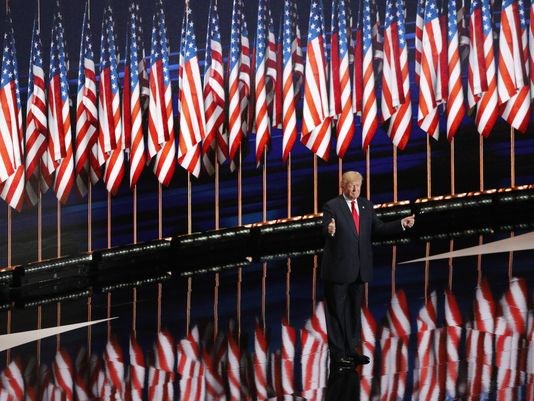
{"type": "Point", "coordinates": [348, 255]}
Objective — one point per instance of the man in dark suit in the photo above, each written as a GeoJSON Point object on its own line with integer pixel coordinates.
{"type": "Point", "coordinates": [348, 225]}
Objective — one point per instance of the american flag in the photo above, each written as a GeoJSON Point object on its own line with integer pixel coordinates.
{"type": "Point", "coordinates": [378, 39]}
{"type": "Point", "coordinates": [132, 114]}
{"type": "Point", "coordinates": [289, 338]}
{"type": "Point", "coordinates": [289, 116]}
{"type": "Point", "coordinates": [63, 369]}
{"type": "Point", "coordinates": [263, 124]}
{"type": "Point", "coordinates": [13, 380]}
{"type": "Point", "coordinates": [137, 370]}
{"type": "Point", "coordinates": [216, 141]}
{"type": "Point", "coordinates": [513, 80]}
{"type": "Point", "coordinates": [12, 146]}
{"type": "Point", "coordinates": [316, 119]}
{"type": "Point", "coordinates": [246, 84]}
{"type": "Point", "coordinates": [426, 354]}
{"type": "Point", "coordinates": [369, 119]}
{"type": "Point", "coordinates": [429, 79]}
{"type": "Point", "coordinates": [455, 108]}
{"type": "Point", "coordinates": [298, 55]}
{"type": "Point", "coordinates": [234, 96]}
{"type": "Point", "coordinates": [357, 78]}
{"type": "Point", "coordinates": [110, 136]}
{"type": "Point", "coordinates": [482, 75]}
{"type": "Point", "coordinates": [233, 369]}
{"type": "Point", "coordinates": [272, 65]}
{"type": "Point", "coordinates": [60, 153]}
{"type": "Point", "coordinates": [260, 363]}
{"type": "Point", "coordinates": [418, 41]}
{"type": "Point", "coordinates": [114, 363]}
{"type": "Point", "coordinates": [275, 106]}
{"type": "Point", "coordinates": [86, 158]}
{"type": "Point", "coordinates": [191, 100]}
{"type": "Point", "coordinates": [160, 119]}
{"type": "Point", "coordinates": [36, 122]}
{"type": "Point", "coordinates": [341, 80]}
{"type": "Point", "coordinates": [396, 103]}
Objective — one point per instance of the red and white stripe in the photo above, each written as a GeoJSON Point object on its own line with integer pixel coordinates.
{"type": "Point", "coordinates": [315, 111]}
{"type": "Point", "coordinates": [262, 120]}
{"type": "Point", "coordinates": [13, 380]}
{"type": "Point", "coordinates": [369, 117]}
{"type": "Point", "coordinates": [418, 40]}
{"type": "Point", "coordinates": [484, 308]}
{"type": "Point", "coordinates": [426, 357]}
{"type": "Point", "coordinates": [513, 80]}
{"type": "Point", "coordinates": [482, 74]}
{"type": "Point", "coordinates": [164, 352]}
{"type": "Point", "coordinates": [260, 363]}
{"type": "Point", "coordinates": [137, 368]}
{"type": "Point", "coordinates": [160, 118]}
{"type": "Point", "coordinates": [289, 116]}
{"type": "Point", "coordinates": [191, 101]}
{"type": "Point", "coordinates": [506, 353]}
{"type": "Point", "coordinates": [453, 322]}
{"type": "Point", "coordinates": [234, 95]}
{"type": "Point", "coordinates": [455, 108]}
{"type": "Point", "coordinates": [310, 361]}
{"type": "Point", "coordinates": [86, 159]}
{"type": "Point", "coordinates": [289, 338]}
{"type": "Point", "coordinates": [233, 369]}
{"type": "Point", "coordinates": [398, 315]}
{"type": "Point", "coordinates": [63, 369]}
{"type": "Point", "coordinates": [216, 141]}
{"type": "Point", "coordinates": [341, 80]}
{"type": "Point", "coordinates": [368, 348]}
{"type": "Point", "coordinates": [396, 103]}
{"type": "Point", "coordinates": [213, 378]}
{"type": "Point", "coordinates": [429, 80]}
{"type": "Point", "coordinates": [515, 305]}
{"type": "Point", "coordinates": [114, 364]}
{"type": "Point", "coordinates": [191, 368]}
{"type": "Point", "coordinates": [97, 377]}
{"type": "Point", "coordinates": [12, 181]}
{"type": "Point", "coordinates": [36, 126]}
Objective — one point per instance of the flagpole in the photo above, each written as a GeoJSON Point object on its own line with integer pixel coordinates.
{"type": "Point", "coordinates": [89, 232]}
{"type": "Point", "coordinates": [453, 191]}
{"type": "Point", "coordinates": [481, 175]}
{"type": "Point", "coordinates": [264, 265]}
{"type": "Point", "coordinates": [368, 194]}
{"type": "Point", "coordinates": [339, 171]}
{"type": "Point", "coordinates": [189, 230]}
{"type": "Point", "coordinates": [512, 185]}
{"type": "Point", "coordinates": [216, 284]}
{"type": "Point", "coordinates": [289, 183]}
{"type": "Point", "coordinates": [109, 220]}
{"type": "Point", "coordinates": [239, 222]}
{"type": "Point", "coordinates": [160, 236]}
{"type": "Point", "coordinates": [315, 185]}
{"type": "Point", "coordinates": [428, 194]}
{"type": "Point", "coordinates": [394, 247]}
{"type": "Point", "coordinates": [58, 222]}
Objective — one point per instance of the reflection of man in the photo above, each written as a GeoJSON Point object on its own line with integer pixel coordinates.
{"type": "Point", "coordinates": [348, 225]}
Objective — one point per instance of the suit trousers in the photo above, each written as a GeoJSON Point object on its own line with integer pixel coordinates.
{"type": "Point", "coordinates": [343, 316]}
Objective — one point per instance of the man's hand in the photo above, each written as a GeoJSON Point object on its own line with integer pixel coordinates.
{"type": "Point", "coordinates": [408, 222]}
{"type": "Point", "coordinates": [332, 227]}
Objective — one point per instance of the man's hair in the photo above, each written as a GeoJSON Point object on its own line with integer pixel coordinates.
{"type": "Point", "coordinates": [351, 176]}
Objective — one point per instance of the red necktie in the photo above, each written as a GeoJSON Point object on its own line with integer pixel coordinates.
{"type": "Point", "coordinates": [355, 216]}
